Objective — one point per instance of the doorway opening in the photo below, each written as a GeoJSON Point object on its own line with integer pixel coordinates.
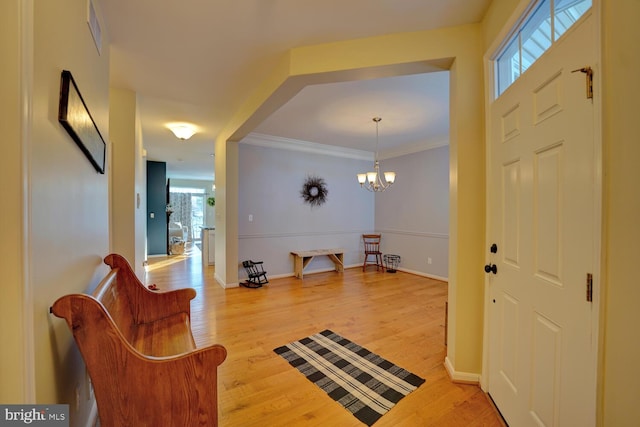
{"type": "Point", "coordinates": [188, 205]}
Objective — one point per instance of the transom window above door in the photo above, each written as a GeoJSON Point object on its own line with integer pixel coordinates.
{"type": "Point", "coordinates": [544, 22]}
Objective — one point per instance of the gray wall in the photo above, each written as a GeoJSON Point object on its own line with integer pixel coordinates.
{"type": "Point", "coordinates": [412, 215]}
{"type": "Point", "coordinates": [270, 180]}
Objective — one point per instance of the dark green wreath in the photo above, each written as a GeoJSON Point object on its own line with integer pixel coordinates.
{"type": "Point", "coordinates": [314, 191]}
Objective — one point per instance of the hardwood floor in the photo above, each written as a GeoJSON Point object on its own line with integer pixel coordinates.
{"type": "Point", "coordinates": [398, 316]}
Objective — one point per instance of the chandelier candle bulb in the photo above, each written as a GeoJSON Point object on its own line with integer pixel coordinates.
{"type": "Point", "coordinates": [390, 177]}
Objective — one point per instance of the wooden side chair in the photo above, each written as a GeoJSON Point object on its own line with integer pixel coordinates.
{"type": "Point", "coordinates": [372, 249]}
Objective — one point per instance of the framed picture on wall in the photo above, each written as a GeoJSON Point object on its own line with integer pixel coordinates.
{"type": "Point", "coordinates": [74, 116]}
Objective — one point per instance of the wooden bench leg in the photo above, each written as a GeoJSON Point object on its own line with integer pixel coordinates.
{"type": "Point", "coordinates": [298, 267]}
{"type": "Point", "coordinates": [337, 261]}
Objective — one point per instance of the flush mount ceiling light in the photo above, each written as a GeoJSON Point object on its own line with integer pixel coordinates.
{"type": "Point", "coordinates": [182, 131]}
{"type": "Point", "coordinates": [372, 180]}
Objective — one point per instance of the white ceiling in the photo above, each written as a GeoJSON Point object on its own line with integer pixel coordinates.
{"type": "Point", "coordinates": [198, 60]}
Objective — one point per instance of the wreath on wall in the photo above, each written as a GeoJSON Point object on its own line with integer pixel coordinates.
{"type": "Point", "coordinates": [314, 191]}
{"type": "Point", "coordinates": [211, 201]}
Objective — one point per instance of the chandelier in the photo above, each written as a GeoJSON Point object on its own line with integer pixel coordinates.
{"type": "Point", "coordinates": [372, 181]}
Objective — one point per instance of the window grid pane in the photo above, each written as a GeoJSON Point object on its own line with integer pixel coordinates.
{"type": "Point", "coordinates": [508, 66]}
{"type": "Point", "coordinates": [566, 13]}
{"type": "Point", "coordinates": [535, 36]}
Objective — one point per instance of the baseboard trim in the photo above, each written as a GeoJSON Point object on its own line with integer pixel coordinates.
{"type": "Point", "coordinates": [427, 275]}
{"type": "Point", "coordinates": [224, 285]}
{"type": "Point", "coordinates": [325, 270]}
{"type": "Point", "coordinates": [306, 272]}
{"type": "Point", "coordinates": [460, 377]}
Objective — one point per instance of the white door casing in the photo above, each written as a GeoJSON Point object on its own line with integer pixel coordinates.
{"type": "Point", "coordinates": [542, 190]}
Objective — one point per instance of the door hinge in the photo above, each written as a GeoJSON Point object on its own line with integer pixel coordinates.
{"type": "Point", "coordinates": [589, 78]}
{"type": "Point", "coordinates": [589, 287]}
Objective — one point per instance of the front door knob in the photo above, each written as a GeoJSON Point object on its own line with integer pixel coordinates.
{"type": "Point", "coordinates": [491, 268]}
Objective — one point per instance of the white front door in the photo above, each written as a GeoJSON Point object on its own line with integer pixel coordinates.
{"type": "Point", "coordinates": [542, 217]}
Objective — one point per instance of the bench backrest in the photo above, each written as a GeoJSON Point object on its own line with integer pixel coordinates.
{"type": "Point", "coordinates": [129, 303]}
{"type": "Point", "coordinates": [112, 293]}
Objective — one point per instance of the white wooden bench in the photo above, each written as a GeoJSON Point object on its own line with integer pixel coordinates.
{"type": "Point", "coordinates": [302, 258]}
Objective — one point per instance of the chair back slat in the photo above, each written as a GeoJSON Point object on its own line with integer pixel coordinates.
{"type": "Point", "coordinates": [371, 243]}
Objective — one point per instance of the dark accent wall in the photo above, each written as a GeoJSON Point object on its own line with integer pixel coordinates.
{"type": "Point", "coordinates": [156, 207]}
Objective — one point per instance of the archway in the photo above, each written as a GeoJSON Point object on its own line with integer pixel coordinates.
{"type": "Point", "coordinates": [458, 49]}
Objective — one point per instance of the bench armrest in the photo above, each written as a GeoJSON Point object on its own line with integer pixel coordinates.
{"type": "Point", "coordinates": [187, 384]}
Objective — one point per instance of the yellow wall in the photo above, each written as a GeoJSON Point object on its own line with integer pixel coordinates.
{"type": "Point", "coordinates": [467, 205]}
{"type": "Point", "coordinates": [496, 16]}
{"type": "Point", "coordinates": [127, 169]}
{"type": "Point", "coordinates": [13, 369]}
{"type": "Point", "coordinates": [68, 212]}
{"type": "Point", "coordinates": [55, 215]}
{"type": "Point", "coordinates": [122, 130]}
{"type": "Point", "coordinates": [621, 139]}
{"type": "Point", "coordinates": [459, 48]}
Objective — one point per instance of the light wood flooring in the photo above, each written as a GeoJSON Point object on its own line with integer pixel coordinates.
{"type": "Point", "coordinates": [398, 316]}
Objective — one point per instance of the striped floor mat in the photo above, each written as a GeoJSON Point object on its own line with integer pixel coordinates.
{"type": "Point", "coordinates": [364, 383]}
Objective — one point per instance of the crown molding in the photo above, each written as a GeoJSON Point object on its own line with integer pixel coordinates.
{"type": "Point", "coordinates": [264, 140]}
{"type": "Point", "coordinates": [412, 148]}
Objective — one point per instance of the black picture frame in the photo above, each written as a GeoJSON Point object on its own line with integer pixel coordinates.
{"type": "Point", "coordinates": [74, 116]}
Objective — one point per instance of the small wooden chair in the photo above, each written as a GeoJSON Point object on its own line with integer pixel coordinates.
{"type": "Point", "coordinates": [372, 248]}
{"type": "Point", "coordinates": [256, 274]}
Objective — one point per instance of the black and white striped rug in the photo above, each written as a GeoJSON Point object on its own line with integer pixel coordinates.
{"type": "Point", "coordinates": [364, 383]}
